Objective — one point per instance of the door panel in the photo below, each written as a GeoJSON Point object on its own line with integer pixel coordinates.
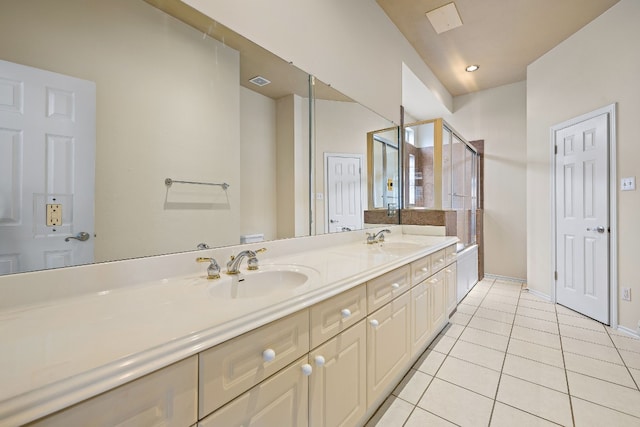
{"type": "Point", "coordinates": [582, 217]}
{"type": "Point", "coordinates": [344, 193]}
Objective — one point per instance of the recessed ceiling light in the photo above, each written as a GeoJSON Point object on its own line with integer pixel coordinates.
{"type": "Point", "coordinates": [472, 68]}
{"type": "Point", "coordinates": [259, 81]}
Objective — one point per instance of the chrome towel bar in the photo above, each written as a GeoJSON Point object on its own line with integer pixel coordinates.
{"type": "Point", "coordinates": [169, 181]}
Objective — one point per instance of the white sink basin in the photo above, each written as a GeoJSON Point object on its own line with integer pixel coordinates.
{"type": "Point", "coordinates": [264, 282]}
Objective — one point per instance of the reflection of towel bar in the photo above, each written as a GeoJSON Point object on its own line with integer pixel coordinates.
{"type": "Point", "coordinates": [169, 181]}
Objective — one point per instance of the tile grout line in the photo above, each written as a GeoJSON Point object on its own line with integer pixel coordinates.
{"type": "Point", "coordinates": [623, 361]}
{"type": "Point", "coordinates": [566, 375]}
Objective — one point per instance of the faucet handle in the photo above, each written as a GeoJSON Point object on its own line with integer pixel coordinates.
{"type": "Point", "coordinates": [252, 262]}
{"type": "Point", "coordinates": [213, 270]}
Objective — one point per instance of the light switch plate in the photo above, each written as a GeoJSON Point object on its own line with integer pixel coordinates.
{"type": "Point", "coordinates": [54, 215]}
{"type": "Point", "coordinates": [628, 183]}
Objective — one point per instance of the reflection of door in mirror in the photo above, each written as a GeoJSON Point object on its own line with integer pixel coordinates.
{"type": "Point", "coordinates": [47, 168]}
{"type": "Point", "coordinates": [383, 179]}
{"type": "Point", "coordinates": [344, 193]}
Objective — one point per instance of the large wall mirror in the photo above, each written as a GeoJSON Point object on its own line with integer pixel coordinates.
{"type": "Point", "coordinates": [160, 92]}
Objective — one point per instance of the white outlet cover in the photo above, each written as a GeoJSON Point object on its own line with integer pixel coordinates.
{"type": "Point", "coordinates": [628, 183]}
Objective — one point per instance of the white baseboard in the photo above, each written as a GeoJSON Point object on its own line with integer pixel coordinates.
{"type": "Point", "coordinates": [628, 331]}
{"type": "Point", "coordinates": [505, 278]}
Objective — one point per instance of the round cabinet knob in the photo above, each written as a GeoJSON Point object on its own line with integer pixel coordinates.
{"type": "Point", "coordinates": [307, 369]}
{"type": "Point", "coordinates": [374, 323]}
{"type": "Point", "coordinates": [345, 313]}
{"type": "Point", "coordinates": [424, 269]}
{"type": "Point", "coordinates": [319, 360]}
{"type": "Point", "coordinates": [395, 285]}
{"type": "Point", "coordinates": [268, 355]}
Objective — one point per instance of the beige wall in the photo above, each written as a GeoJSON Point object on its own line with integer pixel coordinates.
{"type": "Point", "coordinates": [351, 45]}
{"type": "Point", "coordinates": [167, 105]}
{"type": "Point", "coordinates": [595, 67]}
{"type": "Point", "coordinates": [498, 117]}
{"type": "Point", "coordinates": [258, 164]}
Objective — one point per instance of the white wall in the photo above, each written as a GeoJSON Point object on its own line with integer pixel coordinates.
{"type": "Point", "coordinates": [498, 116]}
{"type": "Point", "coordinates": [258, 164]}
{"type": "Point", "coordinates": [351, 45]}
{"type": "Point", "coordinates": [167, 106]}
{"type": "Point", "coordinates": [595, 67]}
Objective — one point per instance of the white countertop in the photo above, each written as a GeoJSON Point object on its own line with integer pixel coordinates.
{"type": "Point", "coordinates": [59, 353]}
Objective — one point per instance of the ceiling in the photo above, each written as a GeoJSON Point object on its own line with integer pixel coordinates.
{"type": "Point", "coordinates": [502, 36]}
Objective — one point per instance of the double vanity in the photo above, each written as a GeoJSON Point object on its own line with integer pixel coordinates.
{"type": "Point", "coordinates": [319, 334]}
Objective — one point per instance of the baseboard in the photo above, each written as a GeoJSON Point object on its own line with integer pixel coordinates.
{"type": "Point", "coordinates": [505, 278]}
{"type": "Point", "coordinates": [628, 331]}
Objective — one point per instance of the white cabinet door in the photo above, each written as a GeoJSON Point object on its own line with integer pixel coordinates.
{"type": "Point", "coordinates": [388, 346]}
{"type": "Point", "coordinates": [282, 400]}
{"type": "Point", "coordinates": [420, 317]}
{"type": "Point", "coordinates": [163, 398]}
{"type": "Point", "coordinates": [338, 385]}
{"type": "Point", "coordinates": [438, 300]}
{"type": "Point", "coordinates": [450, 278]}
{"type": "Point", "coordinates": [336, 314]}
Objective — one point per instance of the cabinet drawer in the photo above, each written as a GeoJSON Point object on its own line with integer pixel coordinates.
{"type": "Point", "coordinates": [282, 400]}
{"type": "Point", "coordinates": [450, 254]}
{"type": "Point", "coordinates": [383, 289]}
{"type": "Point", "coordinates": [420, 270]}
{"type": "Point", "coordinates": [336, 314]}
{"type": "Point", "coordinates": [235, 366]}
{"type": "Point", "coordinates": [166, 397]}
{"type": "Point", "coordinates": [438, 261]}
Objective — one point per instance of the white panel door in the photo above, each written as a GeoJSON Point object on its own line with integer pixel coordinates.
{"type": "Point", "coordinates": [344, 193]}
{"type": "Point", "coordinates": [582, 217]}
{"type": "Point", "coordinates": [47, 151]}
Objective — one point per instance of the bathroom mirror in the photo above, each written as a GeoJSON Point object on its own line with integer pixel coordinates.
{"type": "Point", "coordinates": [172, 100]}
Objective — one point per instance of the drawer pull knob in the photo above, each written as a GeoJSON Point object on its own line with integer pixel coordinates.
{"type": "Point", "coordinates": [345, 313]}
{"type": "Point", "coordinates": [374, 323]}
{"type": "Point", "coordinates": [395, 286]}
{"type": "Point", "coordinates": [307, 369]}
{"type": "Point", "coordinates": [424, 269]}
{"type": "Point", "coordinates": [433, 281]}
{"type": "Point", "coordinates": [268, 355]}
{"type": "Point", "coordinates": [319, 360]}
{"type": "Point", "coordinates": [448, 271]}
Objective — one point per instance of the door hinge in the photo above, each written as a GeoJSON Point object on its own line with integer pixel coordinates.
{"type": "Point", "coordinates": [555, 149]}
{"type": "Point", "coordinates": [555, 275]}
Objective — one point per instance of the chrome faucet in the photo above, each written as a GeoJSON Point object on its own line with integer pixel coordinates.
{"type": "Point", "coordinates": [378, 237]}
{"type": "Point", "coordinates": [213, 270]}
{"type": "Point", "coordinates": [233, 266]}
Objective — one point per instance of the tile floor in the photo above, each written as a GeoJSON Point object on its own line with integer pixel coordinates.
{"type": "Point", "coordinates": [509, 358]}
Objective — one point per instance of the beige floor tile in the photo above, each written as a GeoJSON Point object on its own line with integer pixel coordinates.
{"type": "Point", "coordinates": [430, 362]}
{"type": "Point", "coordinates": [472, 300]}
{"type": "Point", "coordinates": [537, 314]}
{"type": "Point", "coordinates": [601, 338]}
{"type": "Point", "coordinates": [538, 305]}
{"type": "Point", "coordinates": [499, 316]}
{"type": "Point", "coordinates": [567, 311]}
{"type": "Point", "coordinates": [456, 404]}
{"type": "Point", "coordinates": [466, 309]}
{"type": "Point", "coordinates": [541, 401]}
{"type": "Point", "coordinates": [452, 330]}
{"type": "Point", "coordinates": [490, 326]}
{"type": "Point", "coordinates": [629, 344]}
{"type": "Point", "coordinates": [421, 418]}
{"type": "Point", "coordinates": [470, 376]}
{"type": "Point", "coordinates": [460, 319]}
{"type": "Point", "coordinates": [580, 322]}
{"type": "Point", "coordinates": [412, 386]}
{"type": "Point", "coordinates": [502, 298]}
{"type": "Point", "coordinates": [595, 351]}
{"type": "Point", "coordinates": [507, 416]}
{"type": "Point", "coordinates": [507, 285]}
{"type": "Point", "coordinates": [597, 368]}
{"type": "Point", "coordinates": [536, 337]}
{"type": "Point", "coordinates": [604, 393]}
{"type": "Point", "coordinates": [631, 358]}
{"type": "Point", "coordinates": [587, 414]}
{"type": "Point", "coordinates": [442, 344]}
{"type": "Point", "coordinates": [536, 352]}
{"type": "Point", "coordinates": [507, 308]}
{"type": "Point", "coordinates": [393, 413]}
{"type": "Point", "coordinates": [487, 339]}
{"type": "Point", "coordinates": [535, 372]}
{"type": "Point", "coordinates": [484, 356]}
{"type": "Point", "coordinates": [524, 295]}
{"type": "Point", "coordinates": [635, 373]}
{"type": "Point", "coordinates": [537, 324]}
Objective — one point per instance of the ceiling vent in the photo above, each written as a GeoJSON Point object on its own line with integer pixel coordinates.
{"type": "Point", "coordinates": [259, 81]}
{"type": "Point", "coordinates": [445, 18]}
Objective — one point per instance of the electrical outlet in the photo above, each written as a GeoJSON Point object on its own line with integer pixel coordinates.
{"type": "Point", "coordinates": [628, 183]}
{"type": "Point", "coordinates": [626, 294]}
{"type": "Point", "coordinates": [54, 215]}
